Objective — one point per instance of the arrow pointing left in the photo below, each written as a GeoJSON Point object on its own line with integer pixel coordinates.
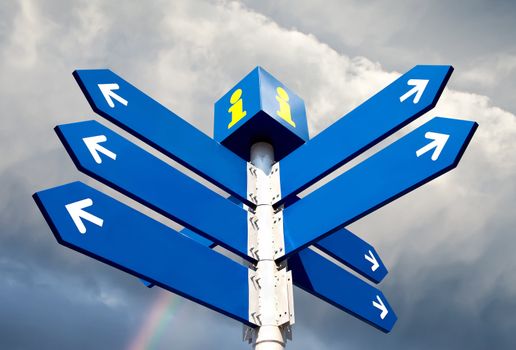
{"type": "Point", "coordinates": [92, 143]}
{"type": "Point", "coordinates": [109, 95]}
{"type": "Point", "coordinates": [154, 183]}
{"type": "Point", "coordinates": [145, 248]}
{"type": "Point", "coordinates": [164, 130]}
{"type": "Point", "coordinates": [77, 214]}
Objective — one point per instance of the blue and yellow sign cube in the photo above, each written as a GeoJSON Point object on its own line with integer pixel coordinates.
{"type": "Point", "coordinates": [260, 108]}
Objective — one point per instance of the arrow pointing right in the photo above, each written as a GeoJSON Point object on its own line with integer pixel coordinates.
{"type": "Point", "coordinates": [327, 281]}
{"type": "Point", "coordinates": [93, 146]}
{"type": "Point", "coordinates": [439, 140]}
{"type": "Point", "coordinates": [147, 249]}
{"type": "Point", "coordinates": [372, 259]}
{"type": "Point", "coordinates": [378, 180]}
{"type": "Point", "coordinates": [355, 253]}
{"type": "Point", "coordinates": [381, 306]}
{"type": "Point", "coordinates": [419, 86]}
{"type": "Point", "coordinates": [109, 95]}
{"type": "Point", "coordinates": [77, 213]}
{"type": "Point", "coordinates": [354, 133]}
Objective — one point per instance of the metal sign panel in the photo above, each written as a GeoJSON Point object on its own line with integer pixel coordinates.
{"type": "Point", "coordinates": [355, 253]}
{"type": "Point", "coordinates": [407, 98]}
{"type": "Point", "coordinates": [129, 108]}
{"type": "Point", "coordinates": [320, 277]}
{"type": "Point", "coordinates": [97, 225]}
{"type": "Point", "coordinates": [427, 152]}
{"type": "Point", "coordinates": [113, 160]}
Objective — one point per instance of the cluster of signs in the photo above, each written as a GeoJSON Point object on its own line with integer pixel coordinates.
{"type": "Point", "coordinates": [95, 224]}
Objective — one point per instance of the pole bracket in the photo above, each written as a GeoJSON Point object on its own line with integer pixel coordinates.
{"type": "Point", "coordinates": [283, 298]}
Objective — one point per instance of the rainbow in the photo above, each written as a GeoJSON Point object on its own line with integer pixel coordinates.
{"type": "Point", "coordinates": [165, 307]}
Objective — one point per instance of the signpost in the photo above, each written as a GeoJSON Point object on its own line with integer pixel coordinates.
{"type": "Point", "coordinates": [263, 157]}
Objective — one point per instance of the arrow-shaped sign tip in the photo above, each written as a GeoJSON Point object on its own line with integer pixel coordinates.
{"type": "Point", "coordinates": [381, 306]}
{"type": "Point", "coordinates": [452, 139]}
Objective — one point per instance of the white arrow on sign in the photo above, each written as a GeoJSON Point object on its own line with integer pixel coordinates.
{"type": "Point", "coordinates": [372, 259]}
{"type": "Point", "coordinates": [380, 306]}
{"type": "Point", "coordinates": [438, 142]}
{"type": "Point", "coordinates": [77, 214]}
{"type": "Point", "coordinates": [109, 95]}
{"type": "Point", "coordinates": [93, 146]}
{"type": "Point", "coordinates": [419, 86]}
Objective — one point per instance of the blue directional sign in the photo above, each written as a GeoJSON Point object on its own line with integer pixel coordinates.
{"type": "Point", "coordinates": [355, 253]}
{"type": "Point", "coordinates": [121, 103]}
{"type": "Point", "coordinates": [407, 98]}
{"type": "Point", "coordinates": [427, 152]}
{"type": "Point", "coordinates": [113, 160]}
{"type": "Point", "coordinates": [96, 225]}
{"type": "Point", "coordinates": [318, 276]}
{"type": "Point", "coordinates": [260, 120]}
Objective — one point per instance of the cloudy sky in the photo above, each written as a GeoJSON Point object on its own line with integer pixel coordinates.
{"type": "Point", "coordinates": [448, 246]}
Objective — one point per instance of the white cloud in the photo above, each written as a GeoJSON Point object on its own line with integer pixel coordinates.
{"type": "Point", "coordinates": [187, 54]}
{"type": "Point", "coordinates": [489, 70]}
{"type": "Point", "coordinates": [210, 53]}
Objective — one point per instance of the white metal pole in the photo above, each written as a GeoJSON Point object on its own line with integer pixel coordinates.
{"type": "Point", "coordinates": [269, 335]}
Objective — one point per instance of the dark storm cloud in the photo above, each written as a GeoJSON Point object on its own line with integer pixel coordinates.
{"type": "Point", "coordinates": [49, 299]}
{"type": "Point", "coordinates": [448, 246]}
{"type": "Point", "coordinates": [52, 297]}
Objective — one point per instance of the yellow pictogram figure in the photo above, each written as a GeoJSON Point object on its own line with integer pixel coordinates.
{"type": "Point", "coordinates": [237, 108]}
{"type": "Point", "coordinates": [284, 106]}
